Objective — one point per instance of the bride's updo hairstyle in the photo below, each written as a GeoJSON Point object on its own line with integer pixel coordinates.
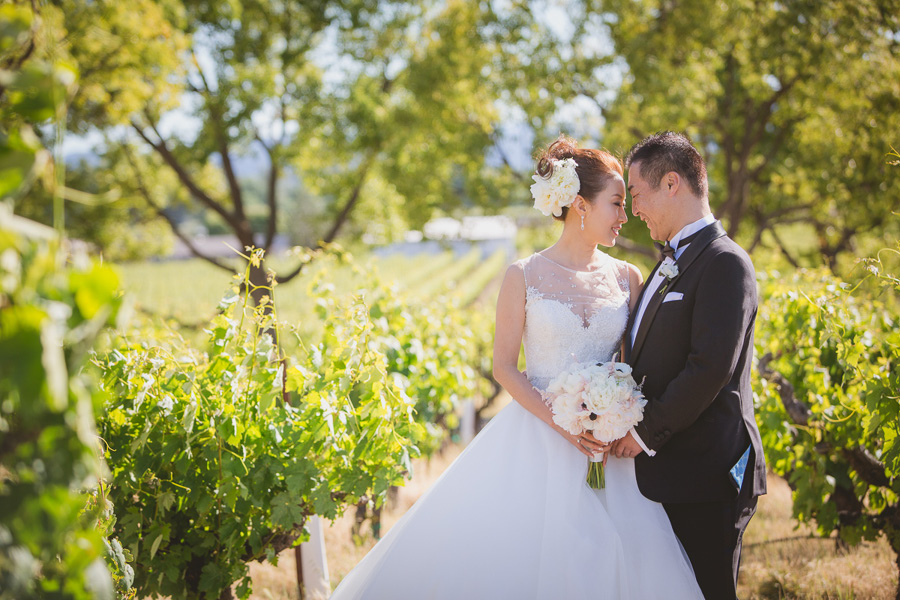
{"type": "Point", "coordinates": [595, 168]}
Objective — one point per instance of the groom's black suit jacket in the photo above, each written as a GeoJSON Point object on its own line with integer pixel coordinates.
{"type": "Point", "coordinates": [696, 355]}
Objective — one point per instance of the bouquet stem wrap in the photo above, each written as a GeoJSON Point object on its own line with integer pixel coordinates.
{"type": "Point", "coordinates": [595, 476]}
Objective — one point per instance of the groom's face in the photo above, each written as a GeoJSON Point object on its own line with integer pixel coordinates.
{"type": "Point", "coordinates": [648, 204]}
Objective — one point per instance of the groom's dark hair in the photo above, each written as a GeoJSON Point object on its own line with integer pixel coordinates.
{"type": "Point", "coordinates": [669, 151]}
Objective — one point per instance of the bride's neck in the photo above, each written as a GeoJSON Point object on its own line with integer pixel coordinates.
{"type": "Point", "coordinates": [572, 250]}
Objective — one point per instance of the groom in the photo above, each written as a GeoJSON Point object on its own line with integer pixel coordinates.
{"type": "Point", "coordinates": [697, 450]}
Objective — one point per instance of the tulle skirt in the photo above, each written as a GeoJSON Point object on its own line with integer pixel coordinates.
{"type": "Point", "coordinates": [512, 517]}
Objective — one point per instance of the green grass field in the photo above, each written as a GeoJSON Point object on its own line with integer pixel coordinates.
{"type": "Point", "coordinates": [188, 291]}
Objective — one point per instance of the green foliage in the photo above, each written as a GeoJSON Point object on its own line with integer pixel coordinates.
{"type": "Point", "coordinates": [128, 55]}
{"type": "Point", "coordinates": [831, 425]}
{"type": "Point", "coordinates": [387, 109]}
{"type": "Point", "coordinates": [50, 317]}
{"type": "Point", "coordinates": [212, 467]}
{"type": "Point", "coordinates": [429, 348]}
{"type": "Point", "coordinates": [103, 212]}
{"type": "Point", "coordinates": [54, 304]}
{"type": "Point", "coordinates": [118, 559]}
{"type": "Point", "coordinates": [789, 102]}
{"type": "Point", "coordinates": [30, 92]}
{"type": "Point", "coordinates": [126, 52]}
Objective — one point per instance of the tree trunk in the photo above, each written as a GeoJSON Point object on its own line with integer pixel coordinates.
{"type": "Point", "coordinates": [298, 563]}
{"type": "Point", "coordinates": [736, 206]}
{"type": "Point", "coordinates": [226, 594]}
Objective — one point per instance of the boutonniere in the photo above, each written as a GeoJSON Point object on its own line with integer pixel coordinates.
{"type": "Point", "coordinates": [669, 270]}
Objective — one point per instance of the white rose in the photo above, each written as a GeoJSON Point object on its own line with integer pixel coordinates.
{"type": "Point", "coordinates": [540, 191]}
{"type": "Point", "coordinates": [668, 269]}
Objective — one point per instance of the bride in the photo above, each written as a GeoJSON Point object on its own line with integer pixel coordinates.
{"type": "Point", "coordinates": [513, 516]}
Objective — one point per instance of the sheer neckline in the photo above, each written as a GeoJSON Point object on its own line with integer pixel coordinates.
{"type": "Point", "coordinates": [596, 252]}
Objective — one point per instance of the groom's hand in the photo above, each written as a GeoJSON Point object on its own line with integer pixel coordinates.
{"type": "Point", "coordinates": [626, 447]}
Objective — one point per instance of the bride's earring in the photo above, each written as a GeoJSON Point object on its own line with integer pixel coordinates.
{"type": "Point", "coordinates": [582, 222]}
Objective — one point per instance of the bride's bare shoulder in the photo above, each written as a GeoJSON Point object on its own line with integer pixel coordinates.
{"type": "Point", "coordinates": [515, 274]}
{"type": "Point", "coordinates": [635, 277]}
{"type": "Point", "coordinates": [511, 298]}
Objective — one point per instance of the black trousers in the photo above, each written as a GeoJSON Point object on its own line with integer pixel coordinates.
{"type": "Point", "coordinates": [711, 533]}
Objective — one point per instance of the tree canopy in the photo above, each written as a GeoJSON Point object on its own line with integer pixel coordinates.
{"type": "Point", "coordinates": [385, 110]}
{"type": "Point", "coordinates": [369, 116]}
{"type": "Point", "coordinates": [789, 101]}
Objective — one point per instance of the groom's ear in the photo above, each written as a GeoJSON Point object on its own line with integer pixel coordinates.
{"type": "Point", "coordinates": [672, 181]}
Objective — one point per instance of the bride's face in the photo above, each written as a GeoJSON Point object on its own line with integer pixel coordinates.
{"type": "Point", "coordinates": [605, 216]}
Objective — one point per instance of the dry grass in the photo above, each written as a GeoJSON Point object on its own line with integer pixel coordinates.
{"type": "Point", "coordinates": [808, 567]}
{"type": "Point", "coordinates": [804, 568]}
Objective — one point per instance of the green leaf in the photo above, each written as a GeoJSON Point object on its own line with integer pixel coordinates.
{"type": "Point", "coordinates": [155, 545]}
{"type": "Point", "coordinates": [286, 512]}
{"type": "Point", "coordinates": [190, 412]}
{"type": "Point", "coordinates": [95, 290]}
{"type": "Point", "coordinates": [166, 500]}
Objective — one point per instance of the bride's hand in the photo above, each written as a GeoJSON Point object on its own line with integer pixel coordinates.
{"type": "Point", "coordinates": [585, 442]}
{"type": "Point", "coordinates": [588, 441]}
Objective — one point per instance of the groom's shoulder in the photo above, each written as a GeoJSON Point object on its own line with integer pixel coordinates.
{"type": "Point", "coordinates": [725, 248]}
{"type": "Point", "coordinates": [726, 259]}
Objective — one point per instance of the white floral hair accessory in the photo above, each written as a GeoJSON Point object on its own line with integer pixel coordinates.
{"type": "Point", "coordinates": [552, 194]}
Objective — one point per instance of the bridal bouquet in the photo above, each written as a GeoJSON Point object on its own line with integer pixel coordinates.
{"type": "Point", "coordinates": [603, 399]}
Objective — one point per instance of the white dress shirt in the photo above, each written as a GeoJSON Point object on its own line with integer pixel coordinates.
{"type": "Point", "coordinates": [654, 284]}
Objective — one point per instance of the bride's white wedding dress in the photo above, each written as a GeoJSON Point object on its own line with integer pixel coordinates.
{"type": "Point", "coordinates": [512, 517]}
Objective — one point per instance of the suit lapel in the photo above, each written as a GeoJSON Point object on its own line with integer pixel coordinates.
{"type": "Point", "coordinates": [696, 247]}
{"type": "Point", "coordinates": [709, 233]}
{"type": "Point", "coordinates": [633, 315]}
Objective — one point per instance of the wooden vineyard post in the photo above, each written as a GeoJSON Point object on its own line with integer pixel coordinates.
{"type": "Point", "coordinates": [298, 561]}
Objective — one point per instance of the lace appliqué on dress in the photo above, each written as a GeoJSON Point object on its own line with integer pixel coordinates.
{"type": "Point", "coordinates": [572, 316]}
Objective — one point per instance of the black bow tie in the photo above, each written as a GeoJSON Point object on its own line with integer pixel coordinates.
{"type": "Point", "coordinates": [667, 251]}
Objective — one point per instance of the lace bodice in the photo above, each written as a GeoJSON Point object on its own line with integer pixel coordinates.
{"type": "Point", "coordinates": [572, 316]}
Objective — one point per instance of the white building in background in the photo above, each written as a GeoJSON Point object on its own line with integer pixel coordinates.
{"type": "Point", "coordinates": [489, 234]}
{"type": "Point", "coordinates": [472, 229]}
{"type": "Point", "coordinates": [443, 228]}
{"type": "Point", "coordinates": [496, 227]}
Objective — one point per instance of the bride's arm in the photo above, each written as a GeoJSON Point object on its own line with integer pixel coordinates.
{"type": "Point", "coordinates": [635, 281]}
{"type": "Point", "coordinates": [510, 325]}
